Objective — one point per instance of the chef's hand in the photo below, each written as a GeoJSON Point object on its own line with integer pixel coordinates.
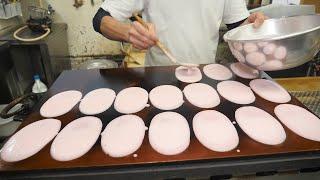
{"type": "Point", "coordinates": [256, 18]}
{"type": "Point", "coordinates": [142, 38]}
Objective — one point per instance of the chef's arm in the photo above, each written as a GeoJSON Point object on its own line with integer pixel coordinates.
{"type": "Point", "coordinates": [135, 33]}
{"type": "Point", "coordinates": [112, 29]}
{"type": "Point", "coordinates": [256, 18]}
{"type": "Point", "coordinates": [237, 24]}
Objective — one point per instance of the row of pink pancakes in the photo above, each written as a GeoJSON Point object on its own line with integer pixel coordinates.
{"type": "Point", "coordinates": [169, 132]}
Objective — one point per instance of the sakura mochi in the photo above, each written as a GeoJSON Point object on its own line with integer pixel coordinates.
{"type": "Point", "coordinates": [30, 140]}
{"type": "Point", "coordinates": [215, 131]}
{"type": "Point", "coordinates": [60, 104]}
{"type": "Point", "coordinates": [169, 133]}
{"type": "Point", "coordinates": [217, 72]}
{"type": "Point", "coordinates": [260, 125]}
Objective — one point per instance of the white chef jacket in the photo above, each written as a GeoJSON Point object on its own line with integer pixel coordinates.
{"type": "Point", "coordinates": [188, 28]}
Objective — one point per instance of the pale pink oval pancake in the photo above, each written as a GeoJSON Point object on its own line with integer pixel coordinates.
{"type": "Point", "coordinates": [60, 104]}
{"type": "Point", "coordinates": [217, 72]}
{"type": "Point", "coordinates": [131, 100]}
{"type": "Point", "coordinates": [188, 74]}
{"type": "Point", "coordinates": [270, 91]}
{"type": "Point", "coordinates": [256, 58]}
{"type": "Point", "coordinates": [271, 65]}
{"type": "Point", "coordinates": [236, 92]}
{"type": "Point", "coordinates": [97, 101]}
{"type": "Point", "coordinates": [299, 120]}
{"type": "Point", "coordinates": [166, 97]}
{"type": "Point", "coordinates": [76, 139]}
{"type": "Point", "coordinates": [260, 125]}
{"type": "Point", "coordinates": [244, 71]}
{"type": "Point", "coordinates": [250, 47]}
{"type": "Point", "coordinates": [269, 49]}
{"type": "Point", "coordinates": [201, 95]}
{"type": "Point", "coordinates": [280, 52]}
{"type": "Point", "coordinates": [30, 140]}
{"type": "Point", "coordinates": [169, 133]}
{"type": "Point", "coordinates": [123, 136]}
{"type": "Point", "coordinates": [215, 131]}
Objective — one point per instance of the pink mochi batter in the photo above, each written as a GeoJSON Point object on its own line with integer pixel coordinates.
{"type": "Point", "coordinates": [244, 71]}
{"type": "Point", "coordinates": [215, 131]}
{"type": "Point", "coordinates": [250, 47]}
{"type": "Point", "coordinates": [123, 136]}
{"type": "Point", "coordinates": [202, 95]}
{"type": "Point", "coordinates": [76, 139]}
{"type": "Point", "coordinates": [260, 125]}
{"type": "Point", "coordinates": [131, 100]}
{"type": "Point", "coordinates": [169, 133]}
{"type": "Point", "coordinates": [271, 65]}
{"type": "Point", "coordinates": [270, 91]}
{"type": "Point", "coordinates": [256, 58]}
{"type": "Point", "coordinates": [217, 72]}
{"type": "Point", "coordinates": [30, 140]}
{"type": "Point", "coordinates": [97, 101]}
{"type": "Point", "coordinates": [60, 104]}
{"type": "Point", "coordinates": [166, 97]}
{"type": "Point", "coordinates": [280, 52]}
{"type": "Point", "coordinates": [236, 92]}
{"type": "Point", "coordinates": [299, 120]}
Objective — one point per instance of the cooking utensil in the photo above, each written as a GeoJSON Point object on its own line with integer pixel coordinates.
{"type": "Point", "coordinates": [296, 38]}
{"type": "Point", "coordinates": [163, 47]}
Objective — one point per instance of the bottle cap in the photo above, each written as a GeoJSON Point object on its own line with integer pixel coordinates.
{"type": "Point", "coordinates": [36, 77]}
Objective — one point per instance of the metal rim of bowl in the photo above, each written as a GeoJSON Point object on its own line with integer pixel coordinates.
{"type": "Point", "coordinates": [98, 64]}
{"type": "Point", "coordinates": [227, 38]}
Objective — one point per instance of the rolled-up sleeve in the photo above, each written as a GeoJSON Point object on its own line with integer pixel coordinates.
{"type": "Point", "coordinates": [235, 11]}
{"type": "Point", "coordinates": [122, 9]}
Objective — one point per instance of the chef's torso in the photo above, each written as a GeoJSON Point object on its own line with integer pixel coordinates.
{"type": "Point", "coordinates": [189, 29]}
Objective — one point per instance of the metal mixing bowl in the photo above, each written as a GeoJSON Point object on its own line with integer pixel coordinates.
{"type": "Point", "coordinates": [278, 44]}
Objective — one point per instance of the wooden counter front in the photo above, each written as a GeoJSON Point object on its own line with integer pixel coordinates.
{"type": "Point", "coordinates": [148, 78]}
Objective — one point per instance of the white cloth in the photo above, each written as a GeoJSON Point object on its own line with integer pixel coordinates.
{"type": "Point", "coordinates": [190, 29]}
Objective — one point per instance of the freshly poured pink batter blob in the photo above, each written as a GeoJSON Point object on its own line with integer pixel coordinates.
{"type": "Point", "coordinates": [299, 120]}
{"type": "Point", "coordinates": [236, 92]}
{"type": "Point", "coordinates": [244, 71]}
{"type": "Point", "coordinates": [188, 74]}
{"type": "Point", "coordinates": [250, 47]}
{"type": "Point", "coordinates": [166, 97]}
{"type": "Point", "coordinates": [123, 136]}
{"type": "Point", "coordinates": [238, 46]}
{"type": "Point", "coordinates": [76, 139]}
{"type": "Point", "coordinates": [269, 49]}
{"type": "Point", "coordinates": [60, 104]}
{"type": "Point", "coordinates": [97, 101]}
{"type": "Point", "coordinates": [201, 95]}
{"type": "Point", "coordinates": [260, 125]}
{"type": "Point", "coordinates": [131, 100]}
{"type": "Point", "coordinates": [169, 133]}
{"type": "Point", "coordinates": [30, 140]}
{"type": "Point", "coordinates": [271, 65]}
{"type": "Point", "coordinates": [256, 58]}
{"type": "Point", "coordinates": [270, 91]}
{"type": "Point", "coordinates": [215, 131]}
{"type": "Point", "coordinates": [217, 72]}
{"type": "Point", "coordinates": [280, 53]}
